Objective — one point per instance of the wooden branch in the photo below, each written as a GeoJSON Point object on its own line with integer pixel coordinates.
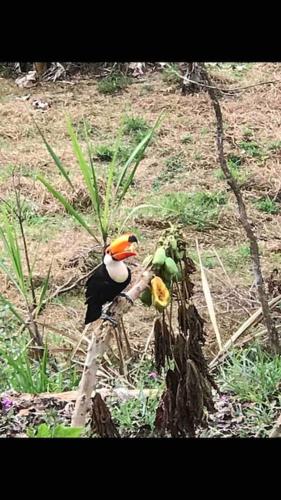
{"type": "Point", "coordinates": [121, 393]}
{"type": "Point", "coordinates": [100, 341]}
{"type": "Point", "coordinates": [254, 248]}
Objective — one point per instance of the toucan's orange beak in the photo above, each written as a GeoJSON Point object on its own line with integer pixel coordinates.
{"type": "Point", "coordinates": [121, 248]}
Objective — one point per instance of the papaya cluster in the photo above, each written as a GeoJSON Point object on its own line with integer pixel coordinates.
{"type": "Point", "coordinates": [166, 266]}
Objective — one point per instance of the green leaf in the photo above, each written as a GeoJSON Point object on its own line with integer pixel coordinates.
{"type": "Point", "coordinates": [70, 209]}
{"type": "Point", "coordinates": [12, 309]}
{"type": "Point", "coordinates": [108, 194]}
{"type": "Point", "coordinates": [67, 432]}
{"type": "Point", "coordinates": [10, 241]}
{"type": "Point", "coordinates": [90, 183]}
{"type": "Point", "coordinates": [43, 431]}
{"type": "Point", "coordinates": [55, 158]}
{"type": "Point", "coordinates": [96, 189]}
{"type": "Point", "coordinates": [141, 147]}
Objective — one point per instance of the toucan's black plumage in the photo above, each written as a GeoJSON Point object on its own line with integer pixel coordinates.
{"type": "Point", "coordinates": [101, 287]}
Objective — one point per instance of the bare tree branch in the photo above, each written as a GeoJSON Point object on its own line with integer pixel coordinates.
{"type": "Point", "coordinates": [221, 89]}
{"type": "Point", "coordinates": [254, 248]}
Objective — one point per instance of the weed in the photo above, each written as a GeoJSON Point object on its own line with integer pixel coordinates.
{"type": "Point", "coordinates": [108, 205]}
{"type": "Point", "coordinates": [252, 148]}
{"type": "Point", "coordinates": [204, 131]}
{"type": "Point", "coordinates": [173, 166]}
{"type": "Point", "coordinates": [198, 209]}
{"type": "Point", "coordinates": [267, 205]}
{"type": "Point", "coordinates": [253, 377]}
{"type": "Point", "coordinates": [234, 163]}
{"type": "Point", "coordinates": [247, 133]}
{"type": "Point", "coordinates": [274, 146]}
{"type": "Point", "coordinates": [23, 374]}
{"type": "Point", "coordinates": [83, 125]}
{"type": "Point", "coordinates": [104, 152]}
{"type": "Point", "coordinates": [113, 83]}
{"type": "Point", "coordinates": [136, 415]}
{"type": "Point", "coordinates": [187, 139]}
{"type": "Point", "coordinates": [135, 126]}
{"type": "Point", "coordinates": [58, 431]}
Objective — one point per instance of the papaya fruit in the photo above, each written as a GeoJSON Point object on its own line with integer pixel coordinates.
{"type": "Point", "coordinates": [159, 257]}
{"type": "Point", "coordinates": [170, 266]}
{"type": "Point", "coordinates": [160, 294]}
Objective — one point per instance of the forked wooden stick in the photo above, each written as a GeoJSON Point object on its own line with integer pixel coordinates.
{"type": "Point", "coordinates": [101, 337]}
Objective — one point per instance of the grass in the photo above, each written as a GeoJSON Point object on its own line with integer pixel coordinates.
{"type": "Point", "coordinates": [174, 165]}
{"type": "Point", "coordinates": [267, 205]}
{"type": "Point", "coordinates": [20, 373]}
{"type": "Point", "coordinates": [199, 209]}
{"type": "Point", "coordinates": [113, 83]}
{"type": "Point", "coordinates": [252, 149]}
{"type": "Point", "coordinates": [253, 376]}
{"type": "Point", "coordinates": [136, 126]}
{"type": "Point", "coordinates": [55, 431]}
{"type": "Point", "coordinates": [187, 139]}
{"type": "Point", "coordinates": [274, 146]}
{"type": "Point", "coordinates": [137, 415]}
{"type": "Point", "coordinates": [234, 163]}
{"type": "Point", "coordinates": [103, 152]}
{"type": "Point", "coordinates": [233, 259]}
{"type": "Point", "coordinates": [83, 124]}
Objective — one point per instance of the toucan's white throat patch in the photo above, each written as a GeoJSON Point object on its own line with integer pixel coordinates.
{"type": "Point", "coordinates": [116, 269]}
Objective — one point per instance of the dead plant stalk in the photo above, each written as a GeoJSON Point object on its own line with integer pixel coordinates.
{"type": "Point", "coordinates": [247, 226]}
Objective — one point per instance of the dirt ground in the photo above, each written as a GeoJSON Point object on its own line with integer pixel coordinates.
{"type": "Point", "coordinates": [58, 240]}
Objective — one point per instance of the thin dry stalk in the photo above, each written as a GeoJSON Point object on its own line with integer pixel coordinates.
{"type": "Point", "coordinates": [254, 248]}
{"type": "Point", "coordinates": [208, 298]}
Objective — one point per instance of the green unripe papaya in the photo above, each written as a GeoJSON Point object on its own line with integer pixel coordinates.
{"type": "Point", "coordinates": [170, 266]}
{"type": "Point", "coordinates": [146, 297]}
{"type": "Point", "coordinates": [159, 257]}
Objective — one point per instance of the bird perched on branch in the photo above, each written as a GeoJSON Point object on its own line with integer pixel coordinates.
{"type": "Point", "coordinates": [110, 278]}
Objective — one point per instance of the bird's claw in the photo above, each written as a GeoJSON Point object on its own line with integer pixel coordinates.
{"type": "Point", "coordinates": [123, 294]}
{"type": "Point", "coordinates": [106, 317]}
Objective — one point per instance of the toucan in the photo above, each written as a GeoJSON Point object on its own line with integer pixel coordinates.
{"type": "Point", "coordinates": [110, 278]}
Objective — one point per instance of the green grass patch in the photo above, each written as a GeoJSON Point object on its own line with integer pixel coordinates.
{"type": "Point", "coordinates": [174, 165]}
{"type": "Point", "coordinates": [253, 377]}
{"type": "Point", "coordinates": [267, 205]}
{"type": "Point", "coordinates": [113, 83]}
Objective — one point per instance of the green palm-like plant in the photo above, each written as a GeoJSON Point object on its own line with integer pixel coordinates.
{"type": "Point", "coordinates": [117, 182]}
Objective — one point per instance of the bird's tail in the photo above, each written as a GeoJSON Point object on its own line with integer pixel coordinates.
{"type": "Point", "coordinates": [94, 311]}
